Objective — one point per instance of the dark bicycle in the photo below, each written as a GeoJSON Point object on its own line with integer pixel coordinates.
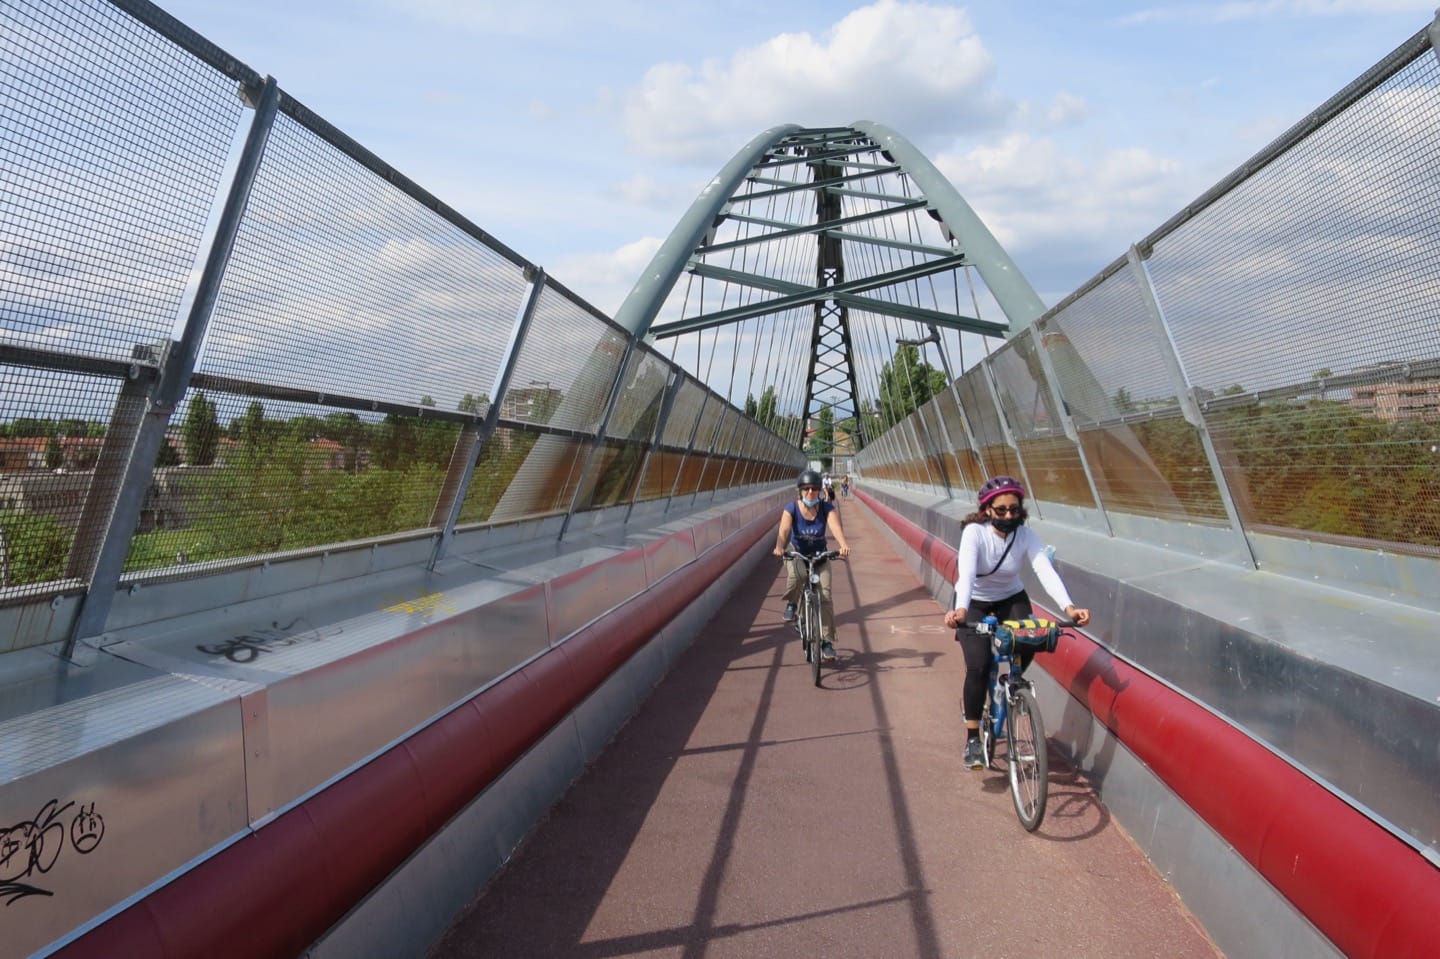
{"type": "Point", "coordinates": [1012, 712]}
{"type": "Point", "coordinates": [808, 611]}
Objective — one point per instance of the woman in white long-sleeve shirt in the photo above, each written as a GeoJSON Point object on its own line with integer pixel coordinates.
{"type": "Point", "coordinates": [995, 546]}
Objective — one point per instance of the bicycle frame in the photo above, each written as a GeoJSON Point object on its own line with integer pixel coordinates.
{"type": "Point", "coordinates": [1012, 712]}
{"type": "Point", "coordinates": [810, 612]}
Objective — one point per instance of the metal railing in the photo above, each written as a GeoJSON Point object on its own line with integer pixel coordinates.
{"type": "Point", "coordinates": [230, 332]}
{"type": "Point", "coordinates": [1260, 373]}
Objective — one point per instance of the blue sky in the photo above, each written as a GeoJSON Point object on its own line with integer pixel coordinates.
{"type": "Point", "coordinates": [578, 133]}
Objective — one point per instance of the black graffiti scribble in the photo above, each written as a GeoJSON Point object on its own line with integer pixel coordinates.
{"type": "Point", "coordinates": [86, 830]}
{"type": "Point", "coordinates": [31, 847]}
{"type": "Point", "coordinates": [247, 647]}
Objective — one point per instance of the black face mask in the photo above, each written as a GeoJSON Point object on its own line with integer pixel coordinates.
{"type": "Point", "coordinates": [1009, 524]}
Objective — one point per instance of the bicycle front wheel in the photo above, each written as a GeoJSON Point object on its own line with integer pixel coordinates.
{"type": "Point", "coordinates": [987, 735]}
{"type": "Point", "coordinates": [812, 617]}
{"type": "Point", "coordinates": [1029, 766]}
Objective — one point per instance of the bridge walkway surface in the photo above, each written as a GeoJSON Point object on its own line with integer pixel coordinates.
{"type": "Point", "coordinates": [744, 812]}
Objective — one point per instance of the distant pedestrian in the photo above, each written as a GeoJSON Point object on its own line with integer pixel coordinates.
{"type": "Point", "coordinates": [845, 485]}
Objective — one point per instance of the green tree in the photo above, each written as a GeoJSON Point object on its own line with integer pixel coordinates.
{"type": "Point", "coordinates": [249, 428]}
{"type": "Point", "coordinates": [906, 384]}
{"type": "Point", "coordinates": [750, 406]}
{"type": "Point", "coordinates": [765, 410]}
{"type": "Point", "coordinates": [822, 441]}
{"type": "Point", "coordinates": [54, 455]}
{"type": "Point", "coordinates": [167, 455]}
{"type": "Point", "coordinates": [202, 432]}
{"type": "Point", "coordinates": [476, 405]}
{"type": "Point", "coordinates": [349, 431]}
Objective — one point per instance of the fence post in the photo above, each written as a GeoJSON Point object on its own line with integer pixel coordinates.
{"type": "Point", "coordinates": [667, 404]}
{"type": "Point", "coordinates": [102, 567]}
{"type": "Point", "coordinates": [611, 402]}
{"type": "Point", "coordinates": [476, 436]}
{"type": "Point", "coordinates": [989, 376]}
{"type": "Point", "coordinates": [1189, 408]}
{"type": "Point", "coordinates": [1066, 420]}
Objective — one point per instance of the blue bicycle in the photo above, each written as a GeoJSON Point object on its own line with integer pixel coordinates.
{"type": "Point", "coordinates": [1011, 712]}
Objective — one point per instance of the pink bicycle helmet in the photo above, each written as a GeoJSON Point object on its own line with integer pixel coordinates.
{"type": "Point", "coordinates": [997, 485]}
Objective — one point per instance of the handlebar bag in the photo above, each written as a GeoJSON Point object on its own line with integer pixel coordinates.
{"type": "Point", "coordinates": [1016, 635]}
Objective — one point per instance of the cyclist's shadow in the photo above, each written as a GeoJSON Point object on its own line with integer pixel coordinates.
{"type": "Point", "coordinates": [853, 668]}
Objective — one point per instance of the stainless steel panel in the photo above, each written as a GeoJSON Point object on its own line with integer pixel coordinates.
{"type": "Point", "coordinates": [82, 835]}
{"type": "Point", "coordinates": [667, 555]}
{"type": "Point", "coordinates": [587, 594]}
{"type": "Point", "coordinates": [328, 718]}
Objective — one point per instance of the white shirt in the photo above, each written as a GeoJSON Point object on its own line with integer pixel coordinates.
{"type": "Point", "coordinates": [980, 550]}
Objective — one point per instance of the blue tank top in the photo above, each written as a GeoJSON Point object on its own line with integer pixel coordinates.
{"type": "Point", "coordinates": [808, 535]}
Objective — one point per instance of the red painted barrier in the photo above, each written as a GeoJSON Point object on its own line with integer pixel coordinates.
{"type": "Point", "coordinates": [1368, 892]}
{"type": "Point", "coordinates": [277, 890]}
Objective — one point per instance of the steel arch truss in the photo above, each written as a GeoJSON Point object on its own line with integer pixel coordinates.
{"type": "Point", "coordinates": [807, 264]}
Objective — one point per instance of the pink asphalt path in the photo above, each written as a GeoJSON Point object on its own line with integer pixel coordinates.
{"type": "Point", "coordinates": [745, 813]}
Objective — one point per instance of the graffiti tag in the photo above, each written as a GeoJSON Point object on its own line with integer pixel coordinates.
{"type": "Point", "coordinates": [248, 647]}
{"type": "Point", "coordinates": [30, 849]}
{"type": "Point", "coordinates": [426, 605]}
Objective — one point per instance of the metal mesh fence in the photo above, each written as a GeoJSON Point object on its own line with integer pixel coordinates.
{"type": "Point", "coordinates": [241, 477]}
{"type": "Point", "coordinates": [1276, 350]}
{"type": "Point", "coordinates": [684, 414]}
{"type": "Point", "coordinates": [343, 373]}
{"type": "Point", "coordinates": [341, 284]}
{"type": "Point", "coordinates": [48, 470]}
{"type": "Point", "coordinates": [112, 146]}
{"type": "Point", "coordinates": [637, 411]}
{"type": "Point", "coordinates": [1109, 353]}
{"type": "Point", "coordinates": [1302, 304]}
{"type": "Point", "coordinates": [568, 365]}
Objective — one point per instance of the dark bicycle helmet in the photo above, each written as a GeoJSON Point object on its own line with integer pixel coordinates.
{"type": "Point", "coordinates": [997, 485]}
{"type": "Point", "coordinates": [808, 478]}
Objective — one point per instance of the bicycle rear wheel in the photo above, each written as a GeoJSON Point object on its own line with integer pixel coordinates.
{"type": "Point", "coordinates": [1029, 766]}
{"type": "Point", "coordinates": [812, 618]}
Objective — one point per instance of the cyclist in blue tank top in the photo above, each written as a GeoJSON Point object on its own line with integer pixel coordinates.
{"type": "Point", "coordinates": [804, 525]}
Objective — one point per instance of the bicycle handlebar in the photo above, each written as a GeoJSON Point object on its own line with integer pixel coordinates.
{"type": "Point", "coordinates": [828, 554]}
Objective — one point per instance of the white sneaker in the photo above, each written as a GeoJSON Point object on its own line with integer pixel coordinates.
{"type": "Point", "coordinates": [827, 652]}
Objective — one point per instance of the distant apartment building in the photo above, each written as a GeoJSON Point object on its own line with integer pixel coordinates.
{"type": "Point", "coordinates": [531, 403]}
{"type": "Point", "coordinates": [1399, 401]}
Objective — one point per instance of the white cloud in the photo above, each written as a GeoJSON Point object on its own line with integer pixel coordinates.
{"type": "Point", "coordinates": [1066, 108]}
{"type": "Point", "coordinates": [919, 68]}
{"type": "Point", "coordinates": [605, 278]}
{"type": "Point", "coordinates": [1032, 191]}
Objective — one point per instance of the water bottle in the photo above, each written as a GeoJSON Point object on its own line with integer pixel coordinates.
{"type": "Point", "coordinates": [987, 625]}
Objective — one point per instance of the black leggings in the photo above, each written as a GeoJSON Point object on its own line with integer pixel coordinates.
{"type": "Point", "coordinates": [976, 646]}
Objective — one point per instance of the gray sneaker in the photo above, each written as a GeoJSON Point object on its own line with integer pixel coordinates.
{"type": "Point", "coordinates": [827, 652]}
{"type": "Point", "coordinates": [789, 612]}
{"type": "Point", "coordinates": [974, 755]}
